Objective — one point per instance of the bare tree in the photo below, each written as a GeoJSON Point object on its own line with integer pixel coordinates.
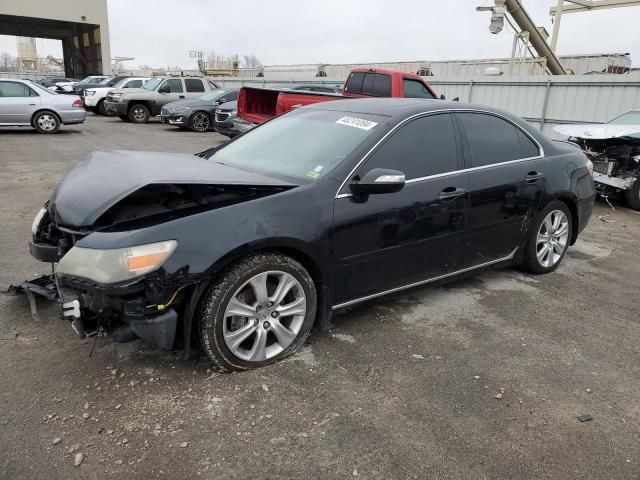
{"type": "Point", "coordinates": [251, 61]}
{"type": "Point", "coordinates": [7, 62]}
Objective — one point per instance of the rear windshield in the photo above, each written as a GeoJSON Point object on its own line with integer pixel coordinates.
{"type": "Point", "coordinates": [303, 144]}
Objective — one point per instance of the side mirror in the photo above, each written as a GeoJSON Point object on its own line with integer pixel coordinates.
{"type": "Point", "coordinates": [164, 89]}
{"type": "Point", "coordinates": [378, 180]}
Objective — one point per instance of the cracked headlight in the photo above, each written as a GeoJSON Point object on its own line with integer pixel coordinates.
{"type": "Point", "coordinates": [115, 265]}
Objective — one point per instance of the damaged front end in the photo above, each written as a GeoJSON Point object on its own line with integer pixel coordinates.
{"type": "Point", "coordinates": [138, 290]}
{"type": "Point", "coordinates": [614, 151]}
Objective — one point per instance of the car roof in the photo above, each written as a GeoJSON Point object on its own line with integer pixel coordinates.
{"type": "Point", "coordinates": [400, 107]}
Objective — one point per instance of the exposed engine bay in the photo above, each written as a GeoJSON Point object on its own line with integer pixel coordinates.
{"type": "Point", "coordinates": [614, 151]}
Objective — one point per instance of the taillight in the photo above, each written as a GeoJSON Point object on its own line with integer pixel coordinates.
{"type": "Point", "coordinates": [77, 103]}
{"type": "Point", "coordinates": [590, 168]}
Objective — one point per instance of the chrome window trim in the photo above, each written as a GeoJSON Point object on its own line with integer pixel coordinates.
{"type": "Point", "coordinates": [431, 112]}
{"type": "Point", "coordinates": [423, 282]}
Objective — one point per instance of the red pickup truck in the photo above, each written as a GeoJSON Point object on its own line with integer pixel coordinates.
{"type": "Point", "coordinates": [257, 105]}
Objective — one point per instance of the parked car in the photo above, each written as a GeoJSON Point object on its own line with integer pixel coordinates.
{"type": "Point", "coordinates": [614, 149]}
{"type": "Point", "coordinates": [63, 87]}
{"type": "Point", "coordinates": [197, 115]}
{"type": "Point", "coordinates": [109, 81]}
{"type": "Point", "coordinates": [52, 81]}
{"type": "Point", "coordinates": [137, 105]}
{"type": "Point", "coordinates": [327, 206]}
{"type": "Point", "coordinates": [94, 98]}
{"type": "Point", "coordinates": [225, 115]}
{"type": "Point", "coordinates": [28, 104]}
{"type": "Point", "coordinates": [90, 80]}
{"type": "Point", "coordinates": [257, 105]}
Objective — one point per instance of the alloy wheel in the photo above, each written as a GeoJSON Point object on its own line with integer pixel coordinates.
{"type": "Point", "coordinates": [47, 122]}
{"type": "Point", "coordinates": [552, 238]}
{"type": "Point", "coordinates": [139, 114]}
{"type": "Point", "coordinates": [200, 122]}
{"type": "Point", "coordinates": [264, 316]}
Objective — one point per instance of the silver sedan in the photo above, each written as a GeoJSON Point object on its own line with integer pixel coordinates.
{"type": "Point", "coordinates": [26, 104]}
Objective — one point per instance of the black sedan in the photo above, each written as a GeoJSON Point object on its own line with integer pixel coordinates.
{"type": "Point", "coordinates": [199, 114]}
{"type": "Point", "coordinates": [253, 242]}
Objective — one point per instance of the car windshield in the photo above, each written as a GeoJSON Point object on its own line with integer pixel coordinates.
{"type": "Point", "coordinates": [212, 95]}
{"type": "Point", "coordinates": [303, 144]}
{"type": "Point", "coordinates": [152, 84]}
{"type": "Point", "coordinates": [120, 83]}
{"type": "Point", "coordinates": [105, 81]}
{"type": "Point", "coordinates": [629, 118]}
{"type": "Point", "coordinates": [86, 80]}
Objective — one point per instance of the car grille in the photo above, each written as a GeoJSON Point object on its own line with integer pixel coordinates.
{"type": "Point", "coordinates": [222, 116]}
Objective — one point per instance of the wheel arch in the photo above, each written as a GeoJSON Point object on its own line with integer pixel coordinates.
{"type": "Point", "coordinates": [293, 248]}
{"type": "Point", "coordinates": [48, 110]}
{"type": "Point", "coordinates": [571, 201]}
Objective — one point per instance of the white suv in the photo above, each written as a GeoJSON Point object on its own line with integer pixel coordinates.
{"type": "Point", "coordinates": [94, 97]}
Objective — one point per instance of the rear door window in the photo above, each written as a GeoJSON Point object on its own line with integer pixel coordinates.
{"type": "Point", "coordinates": [415, 89]}
{"type": "Point", "coordinates": [494, 140]}
{"type": "Point", "coordinates": [354, 82]}
{"type": "Point", "coordinates": [174, 84]}
{"type": "Point", "coordinates": [194, 85]}
{"type": "Point", "coordinates": [423, 147]}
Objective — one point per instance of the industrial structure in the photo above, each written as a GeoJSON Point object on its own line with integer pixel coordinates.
{"type": "Point", "coordinates": [82, 26]}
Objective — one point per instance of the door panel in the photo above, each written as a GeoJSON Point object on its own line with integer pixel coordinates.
{"type": "Point", "coordinates": [391, 240]}
{"type": "Point", "coordinates": [502, 202]}
{"type": "Point", "coordinates": [16, 103]}
{"type": "Point", "coordinates": [506, 184]}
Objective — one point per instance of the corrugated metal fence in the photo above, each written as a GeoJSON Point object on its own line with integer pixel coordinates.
{"type": "Point", "coordinates": [544, 101]}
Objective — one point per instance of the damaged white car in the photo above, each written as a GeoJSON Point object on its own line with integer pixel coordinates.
{"type": "Point", "coordinates": [614, 149]}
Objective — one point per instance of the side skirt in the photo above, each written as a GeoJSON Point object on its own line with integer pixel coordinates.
{"type": "Point", "coordinates": [424, 282]}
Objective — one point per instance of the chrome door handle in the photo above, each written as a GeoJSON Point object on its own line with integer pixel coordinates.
{"type": "Point", "coordinates": [451, 193]}
{"type": "Point", "coordinates": [533, 177]}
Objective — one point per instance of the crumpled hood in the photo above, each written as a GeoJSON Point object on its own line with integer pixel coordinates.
{"type": "Point", "coordinates": [102, 180]}
{"type": "Point", "coordinates": [597, 132]}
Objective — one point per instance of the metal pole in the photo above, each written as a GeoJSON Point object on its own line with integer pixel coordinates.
{"type": "Point", "coordinates": [545, 104]}
{"type": "Point", "coordinates": [470, 89]}
{"type": "Point", "coordinates": [556, 25]}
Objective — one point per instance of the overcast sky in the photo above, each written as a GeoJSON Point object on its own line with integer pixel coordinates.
{"type": "Point", "coordinates": [161, 33]}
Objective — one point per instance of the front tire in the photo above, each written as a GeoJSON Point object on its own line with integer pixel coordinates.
{"type": "Point", "coordinates": [46, 122]}
{"type": "Point", "coordinates": [633, 195]}
{"type": "Point", "coordinates": [200, 122]}
{"type": "Point", "coordinates": [549, 238]}
{"type": "Point", "coordinates": [138, 113]}
{"type": "Point", "coordinates": [259, 312]}
{"type": "Point", "coordinates": [100, 109]}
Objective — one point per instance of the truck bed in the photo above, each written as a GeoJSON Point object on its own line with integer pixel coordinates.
{"type": "Point", "coordinates": [258, 105]}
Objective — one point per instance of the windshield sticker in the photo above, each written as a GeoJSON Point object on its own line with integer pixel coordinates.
{"type": "Point", "coordinates": [313, 174]}
{"type": "Point", "coordinates": [360, 123]}
{"type": "Point", "coordinates": [318, 169]}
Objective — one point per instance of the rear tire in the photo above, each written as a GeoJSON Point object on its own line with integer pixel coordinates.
{"type": "Point", "coordinates": [46, 122]}
{"type": "Point", "coordinates": [549, 238]}
{"type": "Point", "coordinates": [633, 195]}
{"type": "Point", "coordinates": [138, 113]}
{"type": "Point", "coordinates": [259, 312]}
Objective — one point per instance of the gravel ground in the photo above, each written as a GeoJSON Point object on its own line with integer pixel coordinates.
{"type": "Point", "coordinates": [482, 378]}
